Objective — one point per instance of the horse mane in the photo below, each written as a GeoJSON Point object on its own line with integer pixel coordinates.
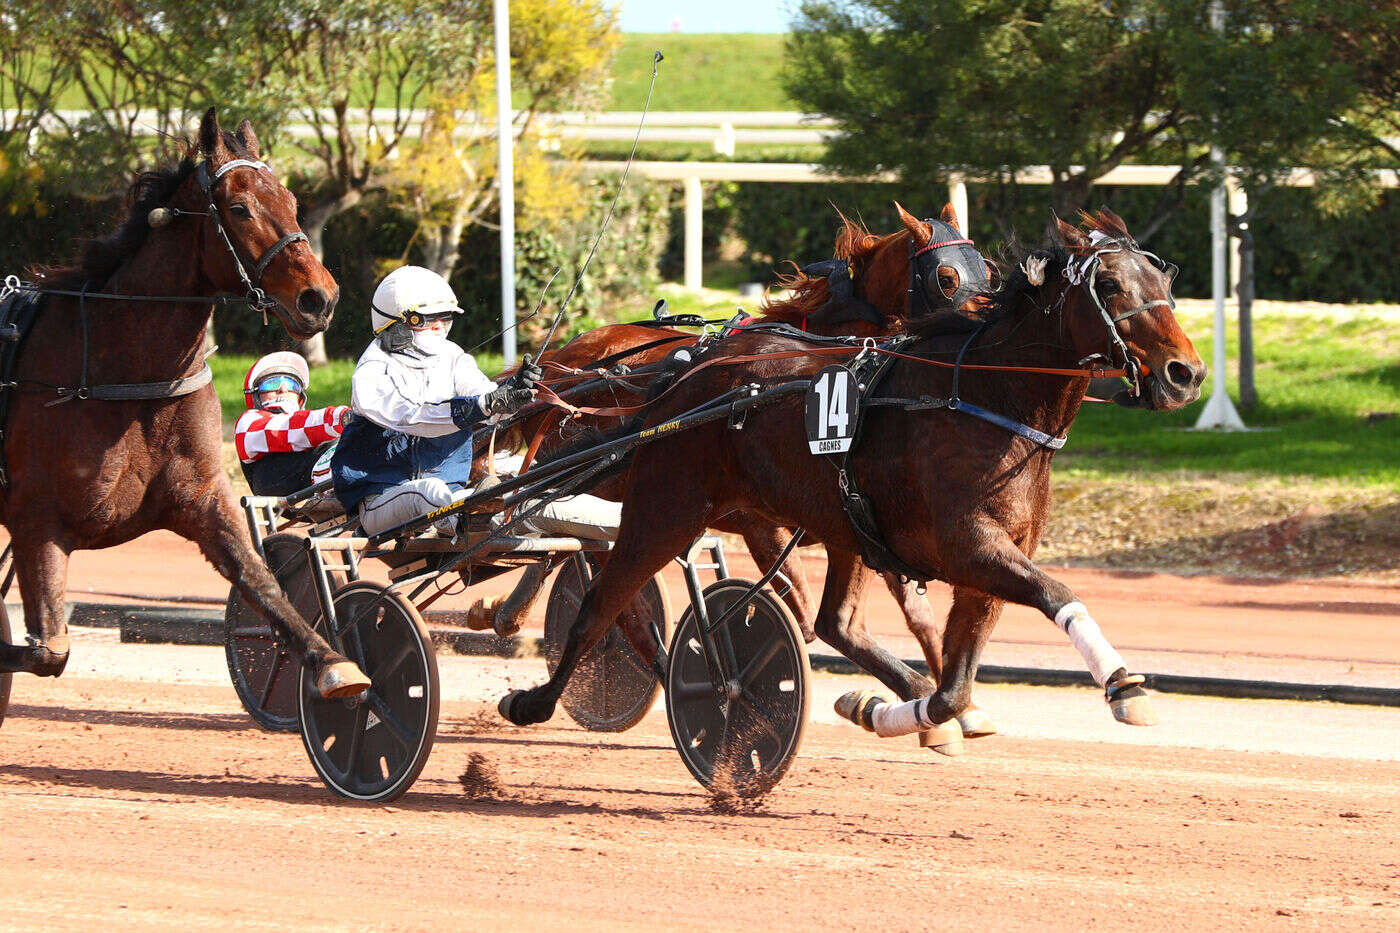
{"type": "Point", "coordinates": [100, 257]}
{"type": "Point", "coordinates": [854, 243]}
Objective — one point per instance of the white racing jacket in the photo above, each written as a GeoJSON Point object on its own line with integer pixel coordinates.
{"type": "Point", "coordinates": [416, 412]}
{"type": "Point", "coordinates": [411, 391]}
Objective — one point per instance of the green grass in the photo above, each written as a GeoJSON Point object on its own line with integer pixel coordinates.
{"type": "Point", "coordinates": [1317, 380]}
{"type": "Point", "coordinates": [729, 71]}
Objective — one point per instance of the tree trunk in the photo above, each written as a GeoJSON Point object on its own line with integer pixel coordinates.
{"type": "Point", "coordinates": [314, 226]}
{"type": "Point", "coordinates": [1245, 292]}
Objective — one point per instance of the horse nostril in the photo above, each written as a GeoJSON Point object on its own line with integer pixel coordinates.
{"type": "Point", "coordinates": [311, 302]}
{"type": "Point", "coordinates": [1179, 374]}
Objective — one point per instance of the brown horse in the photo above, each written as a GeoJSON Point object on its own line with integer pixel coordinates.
{"type": "Point", "coordinates": [879, 267]}
{"type": "Point", "coordinates": [92, 472]}
{"type": "Point", "coordinates": [954, 495]}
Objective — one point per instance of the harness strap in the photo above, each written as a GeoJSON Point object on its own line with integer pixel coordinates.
{"type": "Point", "coordinates": [137, 391]}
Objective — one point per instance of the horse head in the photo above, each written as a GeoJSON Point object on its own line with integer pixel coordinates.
{"type": "Point", "coordinates": [1118, 309]}
{"type": "Point", "coordinates": [252, 243]}
{"type": "Point", "coordinates": [946, 272]}
{"type": "Point", "coordinates": [879, 283]}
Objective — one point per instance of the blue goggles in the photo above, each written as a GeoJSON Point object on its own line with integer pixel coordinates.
{"type": "Point", "coordinates": [278, 384]}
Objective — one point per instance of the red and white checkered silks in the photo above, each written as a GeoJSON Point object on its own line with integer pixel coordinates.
{"type": "Point", "coordinates": [260, 432]}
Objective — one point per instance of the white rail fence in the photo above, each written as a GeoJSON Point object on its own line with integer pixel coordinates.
{"type": "Point", "coordinates": [721, 130]}
{"type": "Point", "coordinates": [691, 174]}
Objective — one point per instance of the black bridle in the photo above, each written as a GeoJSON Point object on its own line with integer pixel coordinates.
{"type": "Point", "coordinates": [253, 283]}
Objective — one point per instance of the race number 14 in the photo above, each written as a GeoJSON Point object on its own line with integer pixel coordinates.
{"type": "Point", "coordinates": [831, 411]}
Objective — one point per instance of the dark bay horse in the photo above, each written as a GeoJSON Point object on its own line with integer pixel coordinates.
{"type": "Point", "coordinates": [91, 472]}
{"type": "Point", "coordinates": [880, 304]}
{"type": "Point", "coordinates": [956, 496]}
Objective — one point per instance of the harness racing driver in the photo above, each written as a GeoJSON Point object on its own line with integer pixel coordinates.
{"type": "Point", "coordinates": [417, 397]}
{"type": "Point", "coordinates": [279, 440]}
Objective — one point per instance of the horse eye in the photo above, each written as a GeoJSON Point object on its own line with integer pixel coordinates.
{"type": "Point", "coordinates": [1109, 287]}
{"type": "Point", "coordinates": [240, 210]}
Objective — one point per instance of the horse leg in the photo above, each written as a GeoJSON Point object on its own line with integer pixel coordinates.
{"type": "Point", "coordinates": [842, 626]}
{"type": "Point", "coordinates": [41, 564]}
{"type": "Point", "coordinates": [642, 549]}
{"type": "Point", "coordinates": [765, 542]}
{"type": "Point", "coordinates": [925, 627]}
{"type": "Point", "coordinates": [505, 614]}
{"type": "Point", "coordinates": [999, 570]}
{"type": "Point", "coordinates": [215, 524]}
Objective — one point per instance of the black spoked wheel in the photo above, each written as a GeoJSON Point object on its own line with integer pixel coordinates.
{"type": "Point", "coordinates": [374, 746]}
{"type": "Point", "coordinates": [5, 679]}
{"type": "Point", "coordinates": [264, 675]}
{"type": "Point", "coordinates": [739, 740]}
{"type": "Point", "coordinates": [612, 688]}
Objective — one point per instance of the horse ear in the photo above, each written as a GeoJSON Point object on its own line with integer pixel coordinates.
{"type": "Point", "coordinates": [1113, 220]}
{"type": "Point", "coordinates": [921, 231]}
{"type": "Point", "coordinates": [950, 217]}
{"type": "Point", "coordinates": [211, 138]}
{"type": "Point", "coordinates": [248, 139]}
{"type": "Point", "coordinates": [1069, 234]}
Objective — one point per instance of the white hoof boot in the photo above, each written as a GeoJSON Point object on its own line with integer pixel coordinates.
{"type": "Point", "coordinates": [976, 723]}
{"type": "Point", "coordinates": [342, 680]}
{"type": "Point", "coordinates": [857, 705]}
{"type": "Point", "coordinates": [1129, 702]}
{"type": "Point", "coordinates": [946, 738]}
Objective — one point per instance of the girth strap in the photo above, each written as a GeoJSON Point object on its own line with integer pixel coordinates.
{"type": "Point", "coordinates": [138, 391]}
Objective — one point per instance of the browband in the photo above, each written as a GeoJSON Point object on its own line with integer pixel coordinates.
{"type": "Point", "coordinates": [235, 163]}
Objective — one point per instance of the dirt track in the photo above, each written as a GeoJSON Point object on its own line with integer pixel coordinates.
{"type": "Point", "coordinates": [154, 804]}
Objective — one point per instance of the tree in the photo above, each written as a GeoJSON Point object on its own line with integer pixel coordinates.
{"type": "Point", "coordinates": [560, 53]}
{"type": "Point", "coordinates": [988, 87]}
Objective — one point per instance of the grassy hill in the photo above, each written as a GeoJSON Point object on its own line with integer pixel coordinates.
{"type": "Point", "coordinates": [715, 71]}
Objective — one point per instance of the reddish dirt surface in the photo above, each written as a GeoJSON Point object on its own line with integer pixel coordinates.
{"type": "Point", "coordinates": [1332, 631]}
{"type": "Point", "coordinates": [157, 806]}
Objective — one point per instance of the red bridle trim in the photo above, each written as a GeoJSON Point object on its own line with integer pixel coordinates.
{"type": "Point", "coordinates": [944, 243]}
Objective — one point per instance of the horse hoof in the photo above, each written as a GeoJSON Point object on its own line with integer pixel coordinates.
{"type": "Point", "coordinates": [857, 705]}
{"type": "Point", "coordinates": [480, 616]}
{"type": "Point", "coordinates": [518, 709]}
{"type": "Point", "coordinates": [946, 738]}
{"type": "Point", "coordinates": [341, 680]}
{"type": "Point", "coordinates": [1129, 701]}
{"type": "Point", "coordinates": [976, 723]}
{"type": "Point", "coordinates": [1134, 710]}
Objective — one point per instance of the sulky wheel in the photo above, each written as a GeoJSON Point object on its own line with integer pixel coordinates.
{"type": "Point", "coordinates": [612, 688]}
{"type": "Point", "coordinates": [5, 679]}
{"type": "Point", "coordinates": [374, 746]}
{"type": "Point", "coordinates": [739, 741]}
{"type": "Point", "coordinates": [264, 675]}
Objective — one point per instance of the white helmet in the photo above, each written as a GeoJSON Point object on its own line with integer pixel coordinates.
{"type": "Point", "coordinates": [407, 295]}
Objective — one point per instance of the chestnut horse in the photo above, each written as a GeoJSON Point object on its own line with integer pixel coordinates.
{"type": "Point", "coordinates": [93, 471]}
{"type": "Point", "coordinates": [955, 496]}
{"type": "Point", "coordinates": [879, 269]}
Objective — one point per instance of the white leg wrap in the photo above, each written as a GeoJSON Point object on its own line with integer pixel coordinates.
{"type": "Point", "coordinates": [894, 719]}
{"type": "Point", "coordinates": [1083, 631]}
